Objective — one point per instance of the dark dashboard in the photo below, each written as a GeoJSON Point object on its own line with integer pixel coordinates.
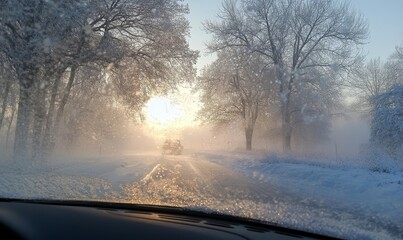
{"type": "Point", "coordinates": [97, 220]}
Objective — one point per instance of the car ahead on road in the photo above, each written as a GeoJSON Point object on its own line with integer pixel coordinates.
{"type": "Point", "coordinates": [47, 219]}
{"type": "Point", "coordinates": [172, 147]}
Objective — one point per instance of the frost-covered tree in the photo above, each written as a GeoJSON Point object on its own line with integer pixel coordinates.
{"type": "Point", "coordinates": [370, 81]}
{"type": "Point", "coordinates": [47, 42]}
{"type": "Point", "coordinates": [7, 88]}
{"type": "Point", "coordinates": [27, 29]}
{"type": "Point", "coordinates": [312, 109]}
{"type": "Point", "coordinates": [93, 116]}
{"type": "Point", "coordinates": [373, 79]}
{"type": "Point", "coordinates": [292, 36]}
{"type": "Point", "coordinates": [234, 88]}
{"type": "Point", "coordinates": [394, 67]}
{"type": "Point", "coordinates": [387, 120]}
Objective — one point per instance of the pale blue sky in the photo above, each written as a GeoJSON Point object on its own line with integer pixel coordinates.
{"type": "Point", "coordinates": [385, 18]}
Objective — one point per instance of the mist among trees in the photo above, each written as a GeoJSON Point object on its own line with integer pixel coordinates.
{"type": "Point", "coordinates": [289, 63]}
{"type": "Point", "coordinates": [82, 70]}
{"type": "Point", "coordinates": [80, 61]}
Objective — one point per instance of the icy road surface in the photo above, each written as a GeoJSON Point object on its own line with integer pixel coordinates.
{"type": "Point", "coordinates": [199, 183]}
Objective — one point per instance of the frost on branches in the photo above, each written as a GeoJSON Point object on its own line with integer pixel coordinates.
{"type": "Point", "coordinates": [387, 121]}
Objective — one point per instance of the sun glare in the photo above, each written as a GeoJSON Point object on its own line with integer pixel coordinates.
{"type": "Point", "coordinates": [172, 115]}
{"type": "Point", "coordinates": [161, 110]}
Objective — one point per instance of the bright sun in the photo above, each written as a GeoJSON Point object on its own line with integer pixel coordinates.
{"type": "Point", "coordinates": [161, 110]}
{"type": "Point", "coordinates": [170, 115]}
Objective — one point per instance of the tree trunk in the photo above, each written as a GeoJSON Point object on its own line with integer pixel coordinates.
{"type": "Point", "coordinates": [285, 99]}
{"type": "Point", "coordinates": [38, 121]}
{"type": "Point", "coordinates": [250, 114]}
{"type": "Point", "coordinates": [63, 103]}
{"type": "Point", "coordinates": [286, 130]}
{"type": "Point", "coordinates": [9, 125]}
{"type": "Point", "coordinates": [287, 140]}
{"type": "Point", "coordinates": [47, 139]}
{"type": "Point", "coordinates": [248, 137]}
{"type": "Point", "coordinates": [21, 148]}
{"type": "Point", "coordinates": [5, 98]}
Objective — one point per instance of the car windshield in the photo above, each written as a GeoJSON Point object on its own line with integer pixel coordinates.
{"type": "Point", "coordinates": [288, 112]}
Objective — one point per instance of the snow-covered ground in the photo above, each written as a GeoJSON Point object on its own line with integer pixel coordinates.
{"type": "Point", "coordinates": [375, 192]}
{"type": "Point", "coordinates": [357, 188]}
{"type": "Point", "coordinates": [344, 200]}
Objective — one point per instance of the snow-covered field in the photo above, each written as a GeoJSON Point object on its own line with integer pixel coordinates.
{"type": "Point", "coordinates": [374, 192]}
{"type": "Point", "coordinates": [344, 200]}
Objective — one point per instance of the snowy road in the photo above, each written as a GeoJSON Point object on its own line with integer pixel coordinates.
{"type": "Point", "coordinates": [184, 181]}
{"type": "Point", "coordinates": [198, 183]}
